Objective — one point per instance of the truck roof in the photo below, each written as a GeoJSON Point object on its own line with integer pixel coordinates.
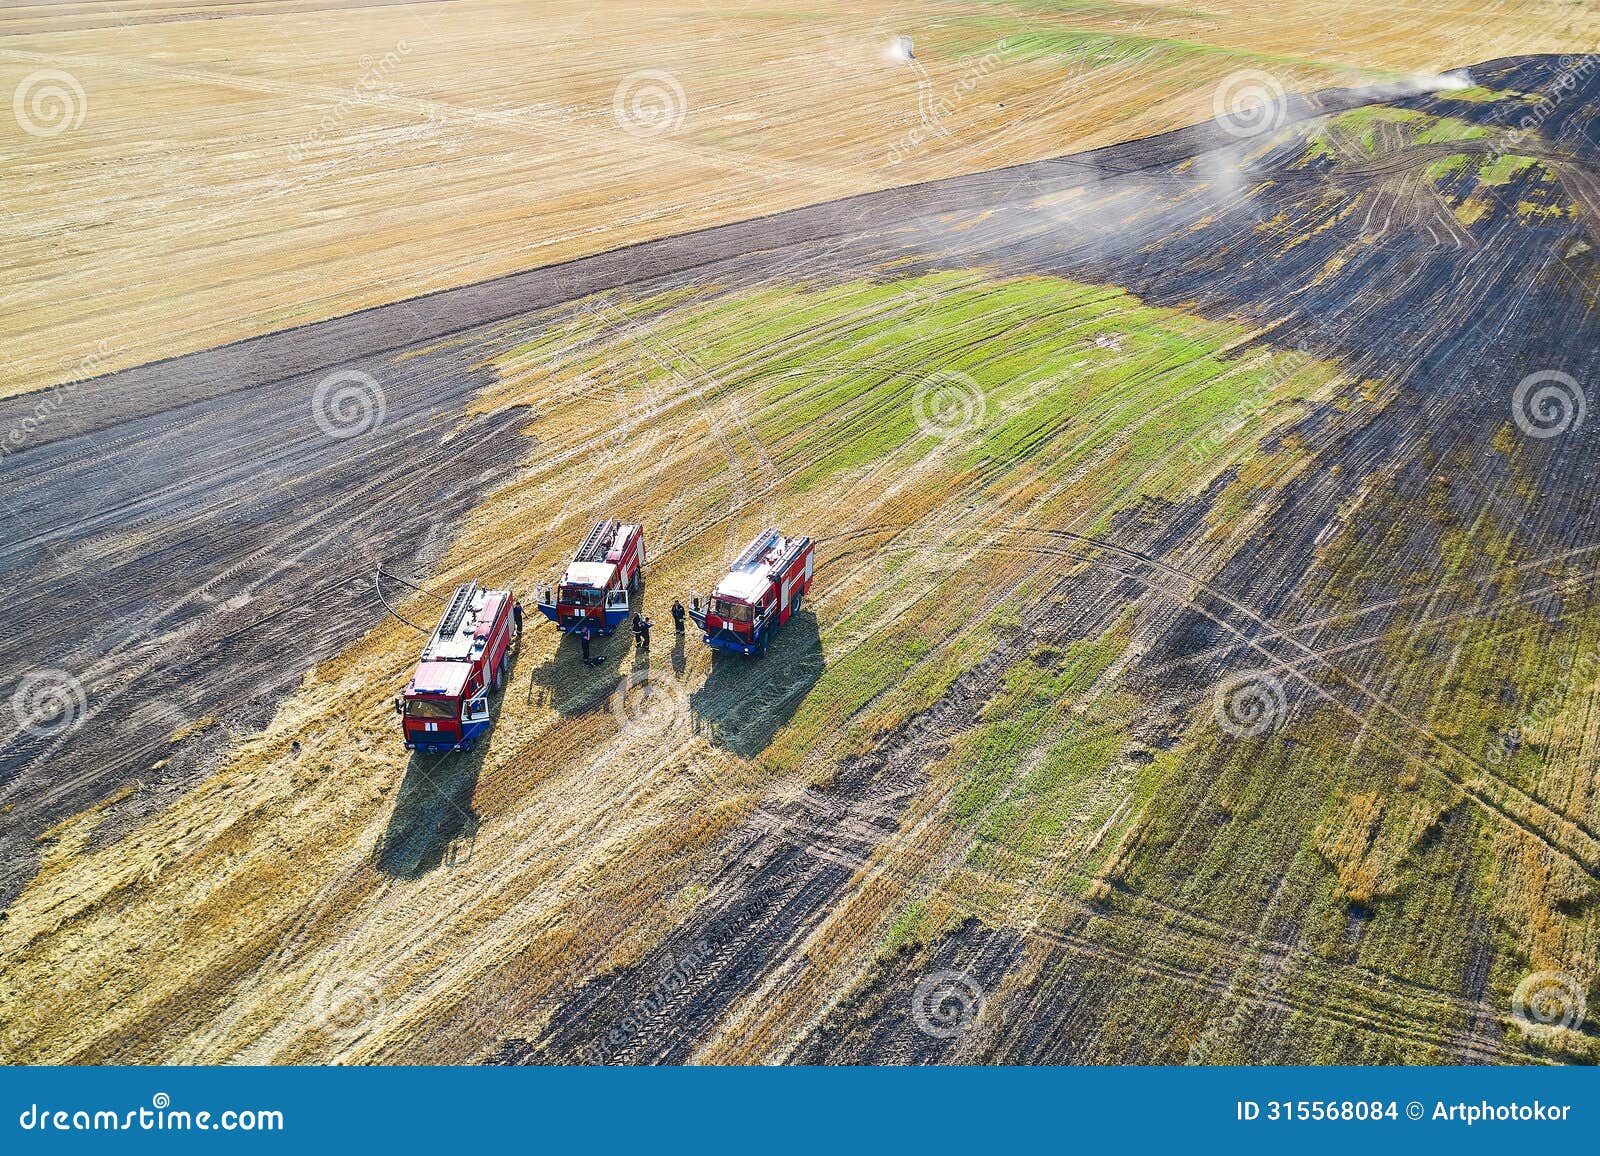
{"type": "Point", "coordinates": [588, 574]}
{"type": "Point", "coordinates": [744, 585]}
{"type": "Point", "coordinates": [447, 678]}
{"type": "Point", "coordinates": [753, 571]}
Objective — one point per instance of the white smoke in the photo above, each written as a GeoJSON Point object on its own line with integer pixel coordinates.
{"type": "Point", "coordinates": [1453, 81]}
{"type": "Point", "coordinates": [1419, 83]}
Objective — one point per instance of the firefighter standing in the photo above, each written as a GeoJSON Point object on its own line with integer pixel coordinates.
{"type": "Point", "coordinates": [584, 636]}
{"type": "Point", "coordinates": [677, 615]}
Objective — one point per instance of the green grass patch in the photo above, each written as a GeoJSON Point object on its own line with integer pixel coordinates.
{"type": "Point", "coordinates": [1365, 125]}
{"type": "Point", "coordinates": [1442, 170]}
{"type": "Point", "coordinates": [1505, 168]}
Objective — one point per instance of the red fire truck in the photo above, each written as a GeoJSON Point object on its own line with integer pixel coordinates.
{"type": "Point", "coordinates": [594, 590]}
{"type": "Point", "coordinates": [446, 705]}
{"type": "Point", "coordinates": [763, 587]}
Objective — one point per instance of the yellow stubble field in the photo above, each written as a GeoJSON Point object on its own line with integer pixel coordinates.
{"type": "Point", "coordinates": [181, 175]}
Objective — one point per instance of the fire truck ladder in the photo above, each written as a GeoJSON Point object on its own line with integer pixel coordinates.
{"type": "Point", "coordinates": [757, 549]}
{"type": "Point", "coordinates": [454, 613]}
{"type": "Point", "coordinates": [597, 543]}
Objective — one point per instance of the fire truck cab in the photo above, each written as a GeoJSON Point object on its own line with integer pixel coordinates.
{"type": "Point", "coordinates": [758, 594]}
{"type": "Point", "coordinates": [445, 706]}
{"type": "Point", "coordinates": [606, 569]}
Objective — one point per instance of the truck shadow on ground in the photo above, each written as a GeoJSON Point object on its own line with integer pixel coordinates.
{"type": "Point", "coordinates": [433, 823]}
{"type": "Point", "coordinates": [745, 700]}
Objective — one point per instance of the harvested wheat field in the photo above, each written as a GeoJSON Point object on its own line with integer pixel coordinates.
{"type": "Point", "coordinates": [1202, 655]}
{"type": "Point", "coordinates": [194, 173]}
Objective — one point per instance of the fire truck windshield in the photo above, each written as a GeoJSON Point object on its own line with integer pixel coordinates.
{"type": "Point", "coordinates": [582, 595]}
{"type": "Point", "coordinates": [430, 708]}
{"type": "Point", "coordinates": [731, 610]}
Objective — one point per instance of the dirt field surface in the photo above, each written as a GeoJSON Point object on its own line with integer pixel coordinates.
{"type": "Point", "coordinates": [186, 174]}
{"type": "Point", "coordinates": [1201, 665]}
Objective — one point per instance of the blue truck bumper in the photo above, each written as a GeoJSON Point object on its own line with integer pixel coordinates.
{"type": "Point", "coordinates": [612, 620]}
{"type": "Point", "coordinates": [730, 645]}
{"type": "Point", "coordinates": [726, 640]}
{"type": "Point", "coordinates": [470, 734]}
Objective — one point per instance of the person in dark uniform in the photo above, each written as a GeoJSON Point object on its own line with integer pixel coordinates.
{"type": "Point", "coordinates": [644, 633]}
{"type": "Point", "coordinates": [638, 631]}
{"type": "Point", "coordinates": [584, 636]}
{"type": "Point", "coordinates": [677, 615]}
